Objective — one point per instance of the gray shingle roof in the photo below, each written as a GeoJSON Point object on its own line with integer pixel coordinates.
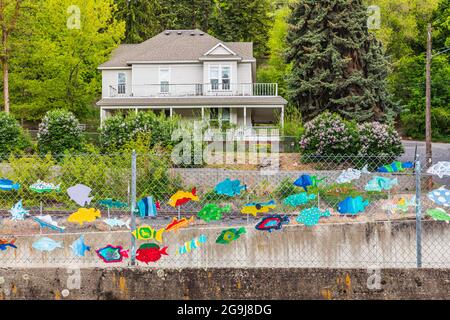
{"type": "Point", "coordinates": [175, 45]}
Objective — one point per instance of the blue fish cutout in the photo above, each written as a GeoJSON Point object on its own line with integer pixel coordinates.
{"type": "Point", "coordinates": [305, 181]}
{"type": "Point", "coordinates": [396, 166]}
{"type": "Point", "coordinates": [298, 199]}
{"type": "Point", "coordinates": [440, 196]}
{"type": "Point", "coordinates": [272, 222]}
{"type": "Point", "coordinates": [18, 212]}
{"type": "Point", "coordinates": [79, 247]}
{"type": "Point", "coordinates": [380, 183]}
{"type": "Point", "coordinates": [229, 187]}
{"type": "Point", "coordinates": [5, 244]}
{"type": "Point", "coordinates": [8, 185]}
{"type": "Point", "coordinates": [46, 244]}
{"type": "Point", "coordinates": [352, 205]}
{"type": "Point", "coordinates": [147, 207]}
{"type": "Point", "coordinates": [311, 216]}
{"type": "Point", "coordinates": [48, 222]}
{"type": "Point", "coordinates": [110, 203]}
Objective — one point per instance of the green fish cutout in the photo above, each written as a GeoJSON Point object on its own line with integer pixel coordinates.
{"type": "Point", "coordinates": [212, 212]}
{"type": "Point", "coordinates": [439, 214]}
{"type": "Point", "coordinates": [230, 235]}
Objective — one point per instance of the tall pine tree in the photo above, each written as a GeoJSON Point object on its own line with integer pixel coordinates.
{"type": "Point", "coordinates": [337, 65]}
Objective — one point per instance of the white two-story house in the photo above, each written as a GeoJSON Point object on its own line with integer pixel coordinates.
{"type": "Point", "coordinates": [192, 74]}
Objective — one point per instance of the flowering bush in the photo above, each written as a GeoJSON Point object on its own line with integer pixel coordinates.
{"type": "Point", "coordinates": [379, 139]}
{"type": "Point", "coordinates": [329, 134]}
{"type": "Point", "coordinates": [59, 131]}
{"type": "Point", "coordinates": [12, 137]}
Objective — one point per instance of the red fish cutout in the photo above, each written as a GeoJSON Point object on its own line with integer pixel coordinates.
{"type": "Point", "coordinates": [150, 252]}
{"type": "Point", "coordinates": [182, 197]}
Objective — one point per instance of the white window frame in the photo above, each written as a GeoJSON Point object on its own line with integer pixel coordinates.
{"type": "Point", "coordinates": [220, 68]}
{"type": "Point", "coordinates": [121, 84]}
{"type": "Point", "coordinates": [160, 80]}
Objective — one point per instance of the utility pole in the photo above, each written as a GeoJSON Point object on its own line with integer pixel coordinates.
{"type": "Point", "coordinates": [428, 150]}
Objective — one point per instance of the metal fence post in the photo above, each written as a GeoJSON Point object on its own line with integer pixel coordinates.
{"type": "Point", "coordinates": [418, 216]}
{"type": "Point", "coordinates": [133, 207]}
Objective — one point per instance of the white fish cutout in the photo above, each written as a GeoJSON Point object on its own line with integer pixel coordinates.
{"type": "Point", "coordinates": [80, 194]}
{"type": "Point", "coordinates": [351, 174]}
{"type": "Point", "coordinates": [46, 244]}
{"type": "Point", "coordinates": [18, 212]}
{"type": "Point", "coordinates": [117, 223]}
{"type": "Point", "coordinates": [441, 169]}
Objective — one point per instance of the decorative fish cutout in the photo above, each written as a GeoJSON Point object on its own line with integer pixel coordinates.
{"type": "Point", "coordinates": [298, 199]}
{"type": "Point", "coordinates": [79, 247]}
{"type": "Point", "coordinates": [8, 185]}
{"type": "Point", "coordinates": [352, 205]}
{"type": "Point", "coordinates": [112, 254]}
{"type": "Point", "coordinates": [117, 223]}
{"type": "Point", "coordinates": [182, 197]}
{"type": "Point", "coordinates": [440, 196]}
{"type": "Point", "coordinates": [177, 224]}
{"type": "Point", "coordinates": [272, 222]}
{"type": "Point", "coordinates": [305, 181]}
{"type": "Point", "coordinates": [80, 194]}
{"type": "Point", "coordinates": [44, 187]}
{"type": "Point", "coordinates": [212, 212]}
{"type": "Point", "coordinates": [110, 203]}
{"type": "Point", "coordinates": [311, 216]}
{"type": "Point", "coordinates": [351, 174]}
{"type": "Point", "coordinates": [258, 207]}
{"type": "Point", "coordinates": [396, 166]}
{"type": "Point", "coordinates": [380, 184]}
{"type": "Point", "coordinates": [147, 207]}
{"type": "Point", "coordinates": [439, 214]}
{"type": "Point", "coordinates": [84, 215]}
{"type": "Point", "coordinates": [48, 222]}
{"type": "Point", "coordinates": [230, 235]}
{"type": "Point", "coordinates": [7, 243]}
{"type": "Point", "coordinates": [193, 244]}
{"type": "Point", "coordinates": [401, 204]}
{"type": "Point", "coordinates": [18, 212]}
{"type": "Point", "coordinates": [229, 187]}
{"type": "Point", "coordinates": [147, 232]}
{"type": "Point", "coordinates": [46, 244]}
{"type": "Point", "coordinates": [441, 169]}
{"type": "Point", "coordinates": [150, 252]}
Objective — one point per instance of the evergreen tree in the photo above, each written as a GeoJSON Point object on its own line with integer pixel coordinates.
{"type": "Point", "coordinates": [337, 64]}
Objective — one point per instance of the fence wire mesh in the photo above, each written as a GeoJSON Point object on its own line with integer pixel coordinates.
{"type": "Point", "coordinates": [382, 234]}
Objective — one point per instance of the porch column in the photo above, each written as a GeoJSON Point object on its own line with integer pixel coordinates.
{"type": "Point", "coordinates": [245, 117]}
{"type": "Point", "coordinates": [203, 113]}
{"type": "Point", "coordinates": [102, 116]}
{"type": "Point", "coordinates": [171, 112]}
{"type": "Point", "coordinates": [282, 117]}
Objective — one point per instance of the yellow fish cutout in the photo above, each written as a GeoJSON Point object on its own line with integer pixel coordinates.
{"type": "Point", "coordinates": [177, 224]}
{"type": "Point", "coordinates": [181, 197]}
{"type": "Point", "coordinates": [147, 232]}
{"type": "Point", "coordinates": [258, 207]}
{"type": "Point", "coordinates": [84, 215]}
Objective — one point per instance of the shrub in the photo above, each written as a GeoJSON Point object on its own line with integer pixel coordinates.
{"type": "Point", "coordinates": [12, 137]}
{"type": "Point", "coordinates": [329, 134]}
{"type": "Point", "coordinates": [379, 140]}
{"type": "Point", "coordinates": [58, 132]}
{"type": "Point", "coordinates": [414, 124]}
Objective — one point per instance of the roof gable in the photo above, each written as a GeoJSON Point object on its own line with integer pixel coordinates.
{"type": "Point", "coordinates": [220, 49]}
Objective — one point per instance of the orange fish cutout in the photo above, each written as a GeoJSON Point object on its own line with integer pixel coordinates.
{"type": "Point", "coordinates": [181, 197]}
{"type": "Point", "coordinates": [177, 224]}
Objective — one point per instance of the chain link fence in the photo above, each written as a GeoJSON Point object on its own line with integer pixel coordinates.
{"type": "Point", "coordinates": [361, 211]}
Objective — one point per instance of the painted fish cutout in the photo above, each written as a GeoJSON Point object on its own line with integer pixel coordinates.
{"type": "Point", "coordinates": [83, 215]}
{"type": "Point", "coordinates": [79, 247]}
{"type": "Point", "coordinates": [305, 181]}
{"type": "Point", "coordinates": [212, 212]}
{"type": "Point", "coordinates": [441, 169]}
{"type": "Point", "coordinates": [351, 174]}
{"type": "Point", "coordinates": [311, 216]}
{"type": "Point", "coordinates": [177, 224]}
{"type": "Point", "coordinates": [352, 205]}
{"type": "Point", "coordinates": [7, 243]}
{"type": "Point", "coordinates": [396, 166]}
{"type": "Point", "coordinates": [439, 214]}
{"type": "Point", "coordinates": [230, 235]}
{"type": "Point", "coordinates": [18, 212]}
{"type": "Point", "coordinates": [117, 223]}
{"type": "Point", "coordinates": [401, 204]}
{"type": "Point", "coordinates": [258, 207]}
{"type": "Point", "coordinates": [193, 244]}
{"type": "Point", "coordinates": [110, 203]}
{"type": "Point", "coordinates": [298, 199]}
{"type": "Point", "coordinates": [380, 183]}
{"type": "Point", "coordinates": [182, 197]}
{"type": "Point", "coordinates": [147, 232]}
{"type": "Point", "coordinates": [440, 196]}
{"type": "Point", "coordinates": [147, 207]}
{"type": "Point", "coordinates": [48, 222]}
{"type": "Point", "coordinates": [46, 244]}
{"type": "Point", "coordinates": [112, 254]}
{"type": "Point", "coordinates": [44, 187]}
{"type": "Point", "coordinates": [8, 185]}
{"type": "Point", "coordinates": [80, 194]}
{"type": "Point", "coordinates": [272, 222]}
{"type": "Point", "coordinates": [229, 187]}
{"type": "Point", "coordinates": [150, 252]}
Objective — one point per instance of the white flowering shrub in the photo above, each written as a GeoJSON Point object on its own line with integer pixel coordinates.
{"type": "Point", "coordinates": [379, 139]}
{"type": "Point", "coordinates": [329, 134]}
{"type": "Point", "coordinates": [58, 132]}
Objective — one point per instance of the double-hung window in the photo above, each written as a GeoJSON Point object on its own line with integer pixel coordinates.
{"type": "Point", "coordinates": [121, 83]}
{"type": "Point", "coordinates": [220, 77]}
{"type": "Point", "coordinates": [164, 80]}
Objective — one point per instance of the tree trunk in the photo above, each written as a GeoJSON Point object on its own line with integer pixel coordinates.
{"type": "Point", "coordinates": [6, 84]}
